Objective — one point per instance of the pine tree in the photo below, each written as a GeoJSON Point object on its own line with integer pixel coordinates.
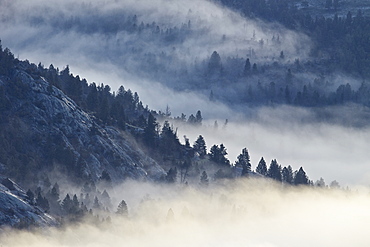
{"type": "Point", "coordinates": [66, 204]}
{"type": "Point", "coordinates": [105, 178]}
{"type": "Point", "coordinates": [150, 133]}
{"type": "Point", "coordinates": [243, 161]}
{"type": "Point", "coordinates": [122, 209]}
{"type": "Point", "coordinates": [171, 175]}
{"type": "Point", "coordinates": [274, 171]}
{"type": "Point", "coordinates": [105, 198]}
{"type": "Point", "coordinates": [261, 167]}
{"type": "Point", "coordinates": [192, 119]}
{"type": "Point", "coordinates": [75, 208]}
{"type": "Point", "coordinates": [53, 197]}
{"type": "Point", "coordinates": [217, 155]}
{"type": "Point", "coordinates": [214, 65]}
{"type": "Point", "coordinates": [200, 147]}
{"type": "Point", "coordinates": [247, 68]}
{"type": "Point", "coordinates": [42, 202]}
{"type": "Point", "coordinates": [198, 118]}
{"type": "Point", "coordinates": [320, 183]}
{"type": "Point", "coordinates": [96, 204]}
{"type": "Point", "coordinates": [31, 196]}
{"type": "Point", "coordinates": [301, 178]}
{"type": "Point", "coordinates": [287, 175]}
{"type": "Point", "coordinates": [204, 179]}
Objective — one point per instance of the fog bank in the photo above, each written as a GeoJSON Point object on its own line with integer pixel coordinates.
{"type": "Point", "coordinates": [243, 213]}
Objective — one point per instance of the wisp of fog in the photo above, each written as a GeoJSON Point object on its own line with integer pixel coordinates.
{"type": "Point", "coordinates": [240, 213]}
{"type": "Point", "coordinates": [295, 137]}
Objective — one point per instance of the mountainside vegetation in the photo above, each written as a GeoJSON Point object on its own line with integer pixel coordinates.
{"type": "Point", "coordinates": [54, 124]}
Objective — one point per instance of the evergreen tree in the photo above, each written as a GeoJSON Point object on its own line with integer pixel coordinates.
{"type": "Point", "coordinates": [105, 198]}
{"type": "Point", "coordinates": [42, 202]}
{"type": "Point", "coordinates": [53, 198]}
{"type": "Point", "coordinates": [261, 167]}
{"type": "Point", "coordinates": [96, 204]}
{"type": "Point", "coordinates": [247, 68]}
{"type": "Point", "coordinates": [200, 147]}
{"type": "Point", "coordinates": [204, 179]}
{"type": "Point", "coordinates": [217, 155]}
{"type": "Point", "coordinates": [274, 171]}
{"type": "Point", "coordinates": [105, 178]}
{"type": "Point", "coordinates": [243, 161]}
{"type": "Point", "coordinates": [320, 183]}
{"type": "Point", "coordinates": [301, 177]}
{"type": "Point", "coordinates": [67, 204]}
{"type": "Point", "coordinates": [171, 175]}
{"type": "Point", "coordinates": [211, 96]}
{"type": "Point", "coordinates": [192, 119]}
{"type": "Point", "coordinates": [334, 185]}
{"type": "Point", "coordinates": [75, 208]}
{"type": "Point", "coordinates": [122, 209]}
{"type": "Point", "coordinates": [198, 118]}
{"type": "Point", "coordinates": [169, 143]}
{"type": "Point", "coordinates": [254, 68]}
{"type": "Point", "coordinates": [31, 196]}
{"type": "Point", "coordinates": [287, 175]}
{"type": "Point", "coordinates": [214, 65]}
{"type": "Point", "coordinates": [150, 132]}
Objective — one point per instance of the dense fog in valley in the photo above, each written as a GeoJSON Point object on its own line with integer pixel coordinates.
{"type": "Point", "coordinates": [243, 213]}
{"type": "Point", "coordinates": [255, 84]}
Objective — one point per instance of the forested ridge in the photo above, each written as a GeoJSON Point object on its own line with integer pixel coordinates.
{"type": "Point", "coordinates": [341, 45]}
{"type": "Point", "coordinates": [344, 39]}
{"type": "Point", "coordinates": [264, 69]}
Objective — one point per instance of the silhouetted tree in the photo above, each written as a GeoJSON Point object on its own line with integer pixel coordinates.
{"type": "Point", "coordinates": [261, 167]}
{"type": "Point", "coordinates": [247, 68]}
{"type": "Point", "coordinates": [274, 170]}
{"type": "Point", "coordinates": [287, 175]}
{"type": "Point", "coordinates": [42, 202]}
{"type": "Point", "coordinates": [198, 118]}
{"type": "Point", "coordinates": [214, 65]}
{"type": "Point", "coordinates": [217, 154]}
{"type": "Point", "coordinates": [150, 132]}
{"type": "Point", "coordinates": [243, 161]}
{"type": "Point", "coordinates": [200, 147]}
{"type": "Point", "coordinates": [301, 178]}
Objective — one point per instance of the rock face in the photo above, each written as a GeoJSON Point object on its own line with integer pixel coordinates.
{"type": "Point", "coordinates": [41, 128]}
{"type": "Point", "coordinates": [16, 209]}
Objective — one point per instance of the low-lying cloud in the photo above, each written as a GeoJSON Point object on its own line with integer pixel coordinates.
{"type": "Point", "coordinates": [243, 213]}
{"type": "Point", "coordinates": [294, 136]}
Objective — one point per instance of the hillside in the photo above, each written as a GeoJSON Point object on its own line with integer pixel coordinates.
{"type": "Point", "coordinates": [17, 210]}
{"type": "Point", "coordinates": [43, 130]}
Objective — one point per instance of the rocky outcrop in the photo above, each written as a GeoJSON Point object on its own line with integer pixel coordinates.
{"type": "Point", "coordinates": [47, 128]}
{"type": "Point", "coordinates": [17, 210]}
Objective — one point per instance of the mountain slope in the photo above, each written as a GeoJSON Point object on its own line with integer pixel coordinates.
{"type": "Point", "coordinates": [42, 129]}
{"type": "Point", "coordinates": [17, 210]}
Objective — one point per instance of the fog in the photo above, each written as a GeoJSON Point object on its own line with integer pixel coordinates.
{"type": "Point", "coordinates": [330, 143]}
{"type": "Point", "coordinates": [243, 213]}
{"type": "Point", "coordinates": [330, 151]}
{"type": "Point", "coordinates": [96, 34]}
{"type": "Point", "coordinates": [91, 39]}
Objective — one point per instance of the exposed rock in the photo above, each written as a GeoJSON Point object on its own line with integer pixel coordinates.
{"type": "Point", "coordinates": [16, 209]}
{"type": "Point", "coordinates": [49, 129]}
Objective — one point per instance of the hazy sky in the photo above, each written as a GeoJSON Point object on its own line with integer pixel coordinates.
{"type": "Point", "coordinates": [291, 135]}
